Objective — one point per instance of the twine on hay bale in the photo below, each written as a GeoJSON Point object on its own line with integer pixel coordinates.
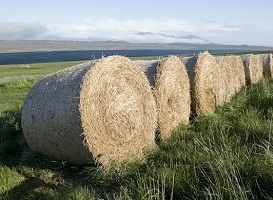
{"type": "Point", "coordinates": [267, 64]}
{"type": "Point", "coordinates": [169, 80]}
{"type": "Point", "coordinates": [231, 77]}
{"type": "Point", "coordinates": [95, 112]}
{"type": "Point", "coordinates": [204, 78]}
{"type": "Point", "coordinates": [253, 66]}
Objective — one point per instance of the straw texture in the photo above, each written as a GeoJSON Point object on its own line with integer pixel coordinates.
{"type": "Point", "coordinates": [231, 77]}
{"type": "Point", "coordinates": [253, 66]}
{"type": "Point", "coordinates": [238, 72]}
{"type": "Point", "coordinates": [204, 77]}
{"type": "Point", "coordinates": [95, 112]}
{"type": "Point", "coordinates": [267, 64]}
{"type": "Point", "coordinates": [169, 80]}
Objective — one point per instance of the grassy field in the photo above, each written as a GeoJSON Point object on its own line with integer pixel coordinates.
{"type": "Point", "coordinates": [30, 71]}
{"type": "Point", "coordinates": [227, 155]}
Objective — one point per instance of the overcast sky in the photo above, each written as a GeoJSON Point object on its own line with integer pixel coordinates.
{"type": "Point", "coordinates": [220, 21]}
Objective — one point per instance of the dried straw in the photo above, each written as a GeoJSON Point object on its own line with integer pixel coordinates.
{"type": "Point", "coordinates": [238, 72]}
{"type": "Point", "coordinates": [271, 64]}
{"type": "Point", "coordinates": [267, 64]}
{"type": "Point", "coordinates": [204, 78]}
{"type": "Point", "coordinates": [231, 77]}
{"type": "Point", "coordinates": [98, 112]}
{"type": "Point", "coordinates": [253, 66]}
{"type": "Point", "coordinates": [225, 79]}
{"type": "Point", "coordinates": [170, 82]}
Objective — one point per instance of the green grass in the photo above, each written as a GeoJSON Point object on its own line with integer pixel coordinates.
{"type": "Point", "coordinates": [35, 70]}
{"type": "Point", "coordinates": [227, 155]}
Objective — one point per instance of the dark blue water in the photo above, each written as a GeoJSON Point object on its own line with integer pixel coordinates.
{"type": "Point", "coordinates": [55, 56]}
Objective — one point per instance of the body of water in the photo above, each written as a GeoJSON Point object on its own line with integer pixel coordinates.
{"type": "Point", "coordinates": [58, 56]}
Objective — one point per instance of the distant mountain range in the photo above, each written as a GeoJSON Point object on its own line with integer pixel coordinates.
{"type": "Point", "coordinates": [149, 37]}
{"type": "Point", "coordinates": [145, 40]}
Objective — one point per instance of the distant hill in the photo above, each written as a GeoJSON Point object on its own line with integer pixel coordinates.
{"type": "Point", "coordinates": [149, 37]}
{"type": "Point", "coordinates": [69, 45]}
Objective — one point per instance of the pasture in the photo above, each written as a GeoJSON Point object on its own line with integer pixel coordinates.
{"type": "Point", "coordinates": [224, 155]}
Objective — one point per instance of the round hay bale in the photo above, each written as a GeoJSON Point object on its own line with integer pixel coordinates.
{"type": "Point", "coordinates": [169, 80]}
{"type": "Point", "coordinates": [149, 67]}
{"type": "Point", "coordinates": [95, 112]}
{"type": "Point", "coordinates": [231, 77]}
{"type": "Point", "coordinates": [204, 77]}
{"type": "Point", "coordinates": [190, 63]}
{"type": "Point", "coordinates": [253, 66]}
{"type": "Point", "coordinates": [270, 65]}
{"type": "Point", "coordinates": [238, 72]}
{"type": "Point", "coordinates": [225, 76]}
{"type": "Point", "coordinates": [267, 64]}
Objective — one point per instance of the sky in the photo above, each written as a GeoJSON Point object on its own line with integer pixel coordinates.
{"type": "Point", "coordinates": [234, 22]}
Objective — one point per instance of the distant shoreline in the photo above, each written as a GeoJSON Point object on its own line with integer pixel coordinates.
{"type": "Point", "coordinates": [61, 56]}
{"type": "Point", "coordinates": [39, 51]}
{"type": "Point", "coordinates": [15, 46]}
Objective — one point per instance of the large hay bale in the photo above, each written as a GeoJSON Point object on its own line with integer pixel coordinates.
{"type": "Point", "coordinates": [95, 112]}
{"type": "Point", "coordinates": [225, 75]}
{"type": "Point", "coordinates": [253, 66]}
{"type": "Point", "coordinates": [267, 64]}
{"type": "Point", "coordinates": [270, 65]}
{"type": "Point", "coordinates": [169, 80]}
{"type": "Point", "coordinates": [231, 77]}
{"type": "Point", "coordinates": [204, 78]}
{"type": "Point", "coordinates": [238, 72]}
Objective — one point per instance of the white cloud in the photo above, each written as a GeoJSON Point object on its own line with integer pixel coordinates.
{"type": "Point", "coordinates": [156, 38]}
{"type": "Point", "coordinates": [21, 30]}
{"type": "Point", "coordinates": [109, 27]}
{"type": "Point", "coordinates": [235, 34]}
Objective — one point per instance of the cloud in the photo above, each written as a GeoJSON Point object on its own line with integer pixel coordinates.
{"type": "Point", "coordinates": [109, 27]}
{"type": "Point", "coordinates": [156, 38]}
{"type": "Point", "coordinates": [15, 30]}
{"type": "Point", "coordinates": [234, 34]}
